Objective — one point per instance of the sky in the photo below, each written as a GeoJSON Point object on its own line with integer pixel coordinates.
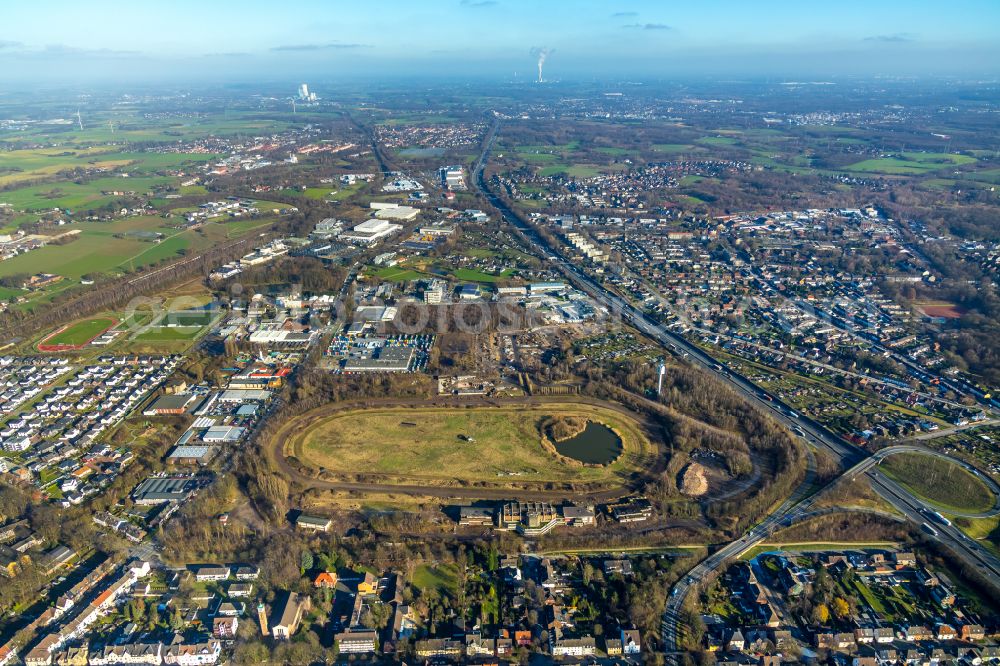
{"type": "Point", "coordinates": [61, 41]}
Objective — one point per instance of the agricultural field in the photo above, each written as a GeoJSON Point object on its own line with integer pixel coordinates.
{"type": "Point", "coordinates": [114, 248]}
{"type": "Point", "coordinates": [17, 166]}
{"type": "Point", "coordinates": [132, 128]}
{"type": "Point", "coordinates": [79, 196]}
{"type": "Point", "coordinates": [445, 446]}
{"type": "Point", "coordinates": [939, 481]}
{"type": "Point", "coordinates": [910, 163]}
{"type": "Point", "coordinates": [23, 165]}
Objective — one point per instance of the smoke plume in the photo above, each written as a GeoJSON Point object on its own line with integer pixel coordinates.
{"type": "Point", "coordinates": [541, 53]}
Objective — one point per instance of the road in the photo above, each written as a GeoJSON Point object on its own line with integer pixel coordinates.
{"type": "Point", "coordinates": [868, 465]}
{"type": "Point", "coordinates": [944, 432]}
{"type": "Point", "coordinates": [798, 504]}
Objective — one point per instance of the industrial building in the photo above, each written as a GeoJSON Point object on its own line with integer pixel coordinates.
{"type": "Point", "coordinates": [370, 231]}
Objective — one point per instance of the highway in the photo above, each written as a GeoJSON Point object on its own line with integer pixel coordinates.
{"type": "Point", "coordinates": [799, 504]}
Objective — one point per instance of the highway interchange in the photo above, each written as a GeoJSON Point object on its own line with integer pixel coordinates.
{"type": "Point", "coordinates": [800, 503]}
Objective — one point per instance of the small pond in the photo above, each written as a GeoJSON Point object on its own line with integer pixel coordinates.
{"type": "Point", "coordinates": [596, 445]}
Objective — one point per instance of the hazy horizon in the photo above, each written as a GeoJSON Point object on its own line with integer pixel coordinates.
{"type": "Point", "coordinates": [58, 42]}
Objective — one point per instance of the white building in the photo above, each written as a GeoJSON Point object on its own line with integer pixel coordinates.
{"type": "Point", "coordinates": [401, 213]}
{"type": "Point", "coordinates": [434, 293]}
{"type": "Point", "coordinates": [370, 231]}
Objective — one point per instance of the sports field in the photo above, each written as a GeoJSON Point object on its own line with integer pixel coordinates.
{"type": "Point", "coordinates": [943, 309]}
{"type": "Point", "coordinates": [76, 335]}
{"type": "Point", "coordinates": [458, 445]}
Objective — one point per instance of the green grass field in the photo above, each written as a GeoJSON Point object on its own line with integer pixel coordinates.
{"type": "Point", "coordinates": [81, 332]}
{"type": "Point", "coordinates": [939, 481]}
{"type": "Point", "coordinates": [673, 148]}
{"type": "Point", "coordinates": [395, 274]}
{"type": "Point", "coordinates": [82, 196]}
{"type": "Point", "coordinates": [130, 126]}
{"type": "Point", "coordinates": [168, 333]}
{"type": "Point", "coordinates": [188, 318]}
{"type": "Point", "coordinates": [718, 141]}
{"type": "Point", "coordinates": [470, 275]}
{"type": "Point", "coordinates": [573, 170]}
{"type": "Point", "coordinates": [812, 547]}
{"type": "Point", "coordinates": [97, 249]}
{"type": "Point", "coordinates": [507, 447]}
{"type": "Point", "coordinates": [100, 248]}
{"type": "Point", "coordinates": [443, 579]}
{"type": "Point", "coordinates": [911, 164]}
{"type": "Point", "coordinates": [23, 165]}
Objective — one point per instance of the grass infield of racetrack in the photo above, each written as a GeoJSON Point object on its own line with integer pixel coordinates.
{"type": "Point", "coordinates": [507, 446]}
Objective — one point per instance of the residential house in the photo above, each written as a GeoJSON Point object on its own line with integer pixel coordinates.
{"type": "Point", "coordinates": [225, 627]}
{"type": "Point", "coordinates": [574, 647]}
{"type": "Point", "coordinates": [247, 572]}
{"type": "Point", "coordinates": [917, 633]}
{"type": "Point", "coordinates": [946, 632]}
{"type": "Point", "coordinates": [903, 560]}
{"type": "Point", "coordinates": [325, 580]}
{"type": "Point", "coordinates": [72, 656]}
{"type": "Point", "coordinates": [476, 645]}
{"type": "Point", "coordinates": [631, 642]}
{"type": "Point", "coordinates": [211, 573]}
{"type": "Point", "coordinates": [129, 653]}
{"type": "Point", "coordinates": [438, 647]}
{"type": "Point", "coordinates": [182, 653]}
{"type": "Point", "coordinates": [368, 584]}
{"type": "Point", "coordinates": [971, 632]}
{"type": "Point", "coordinates": [239, 590]}
{"type": "Point", "coordinates": [884, 635]}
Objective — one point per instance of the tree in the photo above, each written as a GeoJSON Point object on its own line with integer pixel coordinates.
{"type": "Point", "coordinates": [154, 616]}
{"type": "Point", "coordinates": [841, 608]}
{"type": "Point", "coordinates": [306, 560]}
{"type": "Point", "coordinates": [821, 614]}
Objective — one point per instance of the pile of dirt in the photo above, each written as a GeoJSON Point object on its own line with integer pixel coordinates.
{"type": "Point", "coordinates": [693, 481]}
